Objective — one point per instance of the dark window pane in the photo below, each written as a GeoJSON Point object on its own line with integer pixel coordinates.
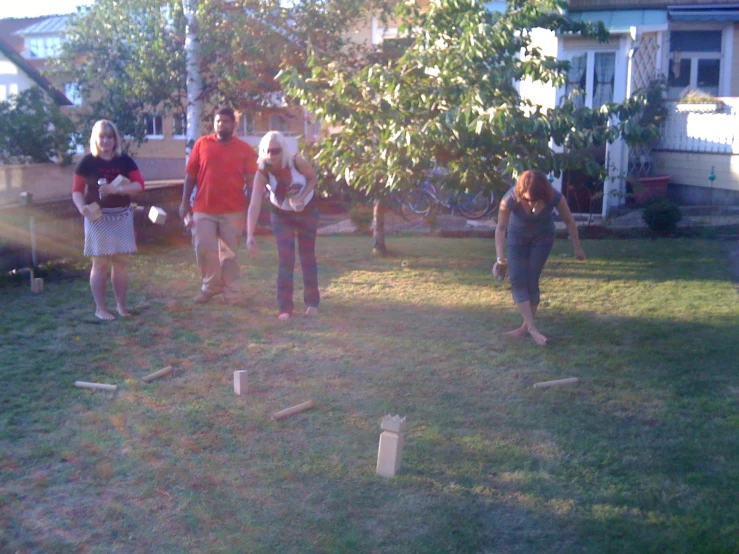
{"type": "Point", "coordinates": [708, 75]}
{"type": "Point", "coordinates": [695, 41]}
{"type": "Point", "coordinates": [679, 74]}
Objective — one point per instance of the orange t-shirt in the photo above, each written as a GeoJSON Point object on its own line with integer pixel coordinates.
{"type": "Point", "coordinates": [220, 171]}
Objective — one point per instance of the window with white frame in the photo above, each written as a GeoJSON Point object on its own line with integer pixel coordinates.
{"type": "Point", "coordinates": [592, 74]}
{"type": "Point", "coordinates": [43, 47]}
{"type": "Point", "coordinates": [72, 92]}
{"type": "Point", "coordinates": [179, 126]}
{"type": "Point", "coordinates": [695, 63]}
{"type": "Point", "coordinates": [246, 124]}
{"type": "Point", "coordinates": [153, 124]}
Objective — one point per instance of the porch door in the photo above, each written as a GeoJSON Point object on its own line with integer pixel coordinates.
{"type": "Point", "coordinates": [591, 76]}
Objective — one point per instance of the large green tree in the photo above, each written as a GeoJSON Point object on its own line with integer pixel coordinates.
{"type": "Point", "coordinates": [451, 97]}
{"type": "Point", "coordinates": [34, 129]}
{"type": "Point", "coordinates": [134, 57]}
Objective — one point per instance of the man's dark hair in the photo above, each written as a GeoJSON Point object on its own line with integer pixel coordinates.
{"type": "Point", "coordinates": [226, 111]}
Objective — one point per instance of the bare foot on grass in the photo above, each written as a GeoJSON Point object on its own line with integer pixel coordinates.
{"type": "Point", "coordinates": [105, 315]}
{"type": "Point", "coordinates": [284, 316]}
{"type": "Point", "coordinates": [123, 311]}
{"type": "Point", "coordinates": [537, 336]}
{"type": "Point", "coordinates": [311, 311]}
{"type": "Point", "coordinates": [517, 333]}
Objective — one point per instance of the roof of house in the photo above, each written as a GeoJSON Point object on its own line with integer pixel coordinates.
{"type": "Point", "coordinates": [590, 5]}
{"type": "Point", "coordinates": [32, 72]}
{"type": "Point", "coordinates": [54, 24]}
{"type": "Point", "coordinates": [10, 25]}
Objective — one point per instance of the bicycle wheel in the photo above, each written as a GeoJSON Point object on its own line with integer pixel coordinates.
{"type": "Point", "coordinates": [419, 202]}
{"type": "Point", "coordinates": [475, 206]}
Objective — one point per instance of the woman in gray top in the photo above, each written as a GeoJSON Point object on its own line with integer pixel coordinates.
{"type": "Point", "coordinates": [525, 229]}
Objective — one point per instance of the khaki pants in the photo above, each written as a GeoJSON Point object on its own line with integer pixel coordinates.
{"type": "Point", "coordinates": [216, 238]}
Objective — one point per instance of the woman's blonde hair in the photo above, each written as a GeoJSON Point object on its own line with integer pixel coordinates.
{"type": "Point", "coordinates": [536, 184]}
{"type": "Point", "coordinates": [264, 145]}
{"type": "Point", "coordinates": [104, 126]}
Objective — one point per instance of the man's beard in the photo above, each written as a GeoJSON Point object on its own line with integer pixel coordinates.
{"type": "Point", "coordinates": [224, 135]}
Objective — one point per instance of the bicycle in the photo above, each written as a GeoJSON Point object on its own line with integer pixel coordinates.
{"type": "Point", "coordinates": [427, 197]}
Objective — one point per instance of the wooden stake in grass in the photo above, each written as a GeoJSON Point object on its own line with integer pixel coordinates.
{"type": "Point", "coordinates": [161, 373]}
{"type": "Point", "coordinates": [293, 410]}
{"type": "Point", "coordinates": [556, 383]}
{"type": "Point", "coordinates": [96, 386]}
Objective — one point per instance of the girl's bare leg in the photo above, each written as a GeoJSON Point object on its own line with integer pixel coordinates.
{"type": "Point", "coordinates": [98, 282]}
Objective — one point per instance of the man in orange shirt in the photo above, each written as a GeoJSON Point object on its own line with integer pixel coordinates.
{"type": "Point", "coordinates": [221, 166]}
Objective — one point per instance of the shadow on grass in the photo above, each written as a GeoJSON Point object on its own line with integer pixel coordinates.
{"type": "Point", "coordinates": [639, 457]}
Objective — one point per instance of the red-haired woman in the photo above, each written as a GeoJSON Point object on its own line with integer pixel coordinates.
{"type": "Point", "coordinates": [525, 229]}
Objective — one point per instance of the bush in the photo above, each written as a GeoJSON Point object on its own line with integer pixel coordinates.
{"type": "Point", "coordinates": [662, 217]}
{"type": "Point", "coordinates": [361, 216]}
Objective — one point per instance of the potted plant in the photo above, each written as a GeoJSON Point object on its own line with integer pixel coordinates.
{"type": "Point", "coordinates": [643, 184]}
{"type": "Point", "coordinates": [698, 101]}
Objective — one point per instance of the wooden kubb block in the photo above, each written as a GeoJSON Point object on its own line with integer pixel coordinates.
{"type": "Point", "coordinates": [241, 382]}
{"type": "Point", "coordinates": [37, 285]}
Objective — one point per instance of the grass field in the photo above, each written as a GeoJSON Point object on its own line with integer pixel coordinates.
{"type": "Point", "coordinates": [641, 456]}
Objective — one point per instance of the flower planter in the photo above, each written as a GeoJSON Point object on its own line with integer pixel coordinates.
{"type": "Point", "coordinates": [699, 108]}
{"type": "Point", "coordinates": [650, 188]}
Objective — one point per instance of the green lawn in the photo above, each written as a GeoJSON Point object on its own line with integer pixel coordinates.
{"type": "Point", "coordinates": [641, 456]}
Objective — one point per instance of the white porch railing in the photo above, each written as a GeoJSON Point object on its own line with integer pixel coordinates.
{"type": "Point", "coordinates": [715, 133]}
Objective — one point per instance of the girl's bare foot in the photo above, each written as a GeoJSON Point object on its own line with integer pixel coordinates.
{"type": "Point", "coordinates": [123, 311]}
{"type": "Point", "coordinates": [284, 316]}
{"type": "Point", "coordinates": [537, 336]}
{"type": "Point", "coordinates": [104, 315]}
{"type": "Point", "coordinates": [517, 333]}
{"type": "Point", "coordinates": [311, 311]}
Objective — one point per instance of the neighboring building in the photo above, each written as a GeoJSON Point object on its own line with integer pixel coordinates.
{"type": "Point", "coordinates": [694, 45]}
{"type": "Point", "coordinates": [33, 42]}
{"type": "Point", "coordinates": [17, 73]}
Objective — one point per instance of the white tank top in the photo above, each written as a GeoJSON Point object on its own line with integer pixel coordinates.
{"type": "Point", "coordinates": [296, 186]}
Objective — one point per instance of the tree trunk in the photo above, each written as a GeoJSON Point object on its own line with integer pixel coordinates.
{"type": "Point", "coordinates": [194, 79]}
{"type": "Point", "coordinates": [378, 229]}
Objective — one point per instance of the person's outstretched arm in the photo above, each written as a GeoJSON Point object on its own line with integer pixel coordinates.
{"type": "Point", "coordinates": [255, 206]}
{"type": "Point", "coordinates": [566, 215]}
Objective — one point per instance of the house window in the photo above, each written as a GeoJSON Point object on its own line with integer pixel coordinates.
{"type": "Point", "coordinates": [154, 126]}
{"type": "Point", "coordinates": [179, 126]}
{"type": "Point", "coordinates": [695, 63]}
{"type": "Point", "coordinates": [43, 47]}
{"type": "Point", "coordinates": [72, 92]}
{"type": "Point", "coordinates": [246, 124]}
{"type": "Point", "coordinates": [592, 74]}
{"type": "Point", "coordinates": [278, 122]}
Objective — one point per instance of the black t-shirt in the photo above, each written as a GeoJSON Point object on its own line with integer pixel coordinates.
{"type": "Point", "coordinates": [93, 168]}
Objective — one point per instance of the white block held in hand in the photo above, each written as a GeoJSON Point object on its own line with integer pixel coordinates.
{"type": "Point", "coordinates": [157, 215]}
{"type": "Point", "coordinates": [241, 382]}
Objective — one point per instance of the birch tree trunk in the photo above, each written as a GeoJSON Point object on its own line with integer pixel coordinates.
{"type": "Point", "coordinates": [378, 230]}
{"type": "Point", "coordinates": [194, 79]}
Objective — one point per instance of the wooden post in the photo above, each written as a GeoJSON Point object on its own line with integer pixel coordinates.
{"type": "Point", "coordinates": [293, 410]}
{"type": "Point", "coordinates": [161, 373]}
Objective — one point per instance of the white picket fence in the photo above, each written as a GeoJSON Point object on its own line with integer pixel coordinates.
{"type": "Point", "coordinates": [715, 133]}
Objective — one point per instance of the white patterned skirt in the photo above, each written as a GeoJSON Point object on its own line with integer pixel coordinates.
{"type": "Point", "coordinates": [111, 234]}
